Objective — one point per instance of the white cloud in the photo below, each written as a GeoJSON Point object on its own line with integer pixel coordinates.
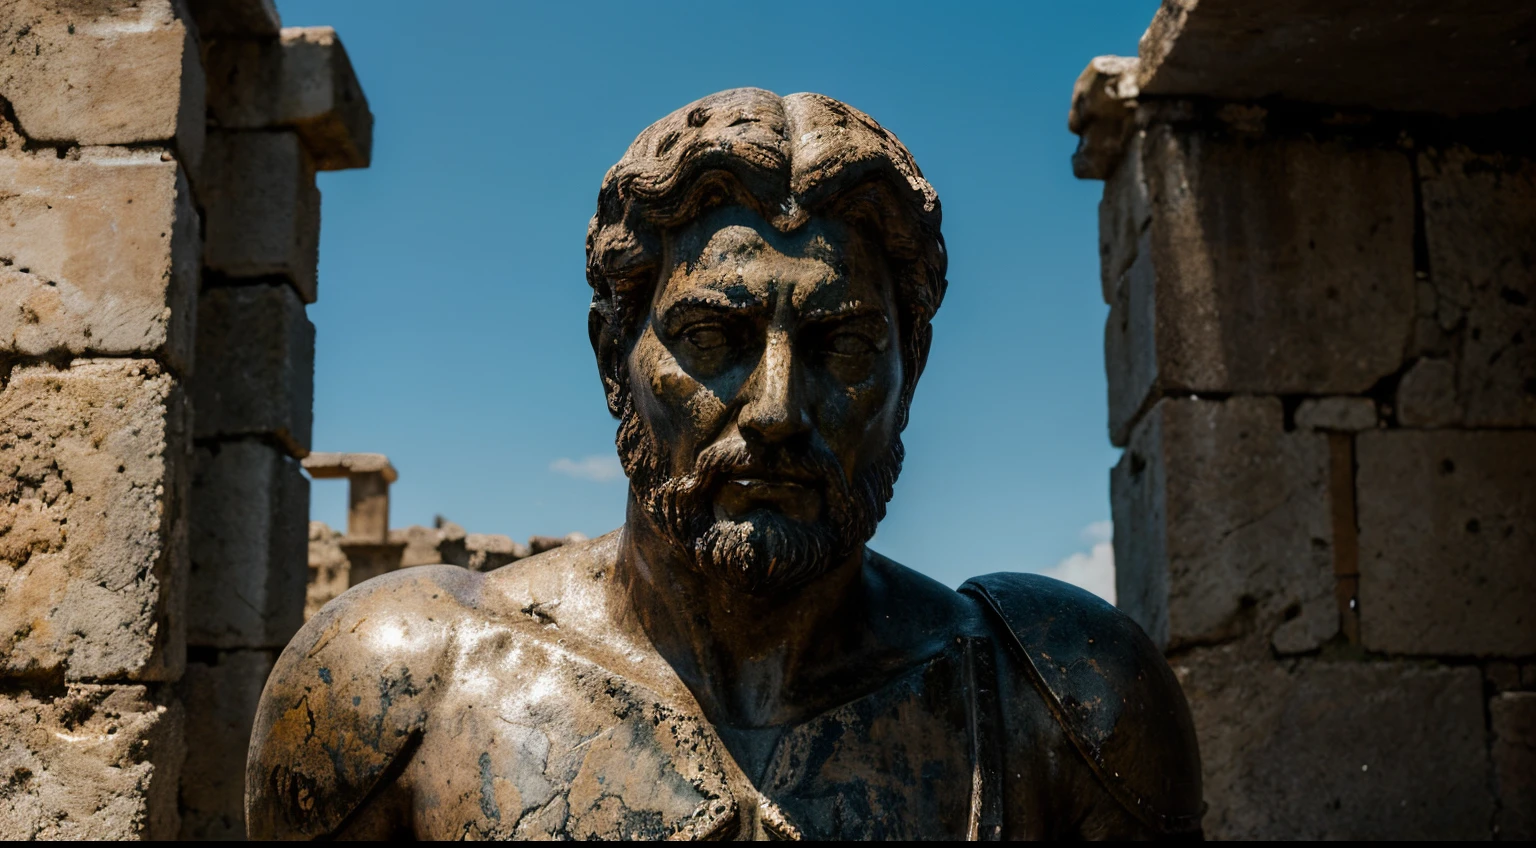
{"type": "Point", "coordinates": [600, 469]}
{"type": "Point", "coordinates": [1094, 569]}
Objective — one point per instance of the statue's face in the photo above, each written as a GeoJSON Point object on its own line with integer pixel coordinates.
{"type": "Point", "coordinates": [762, 435]}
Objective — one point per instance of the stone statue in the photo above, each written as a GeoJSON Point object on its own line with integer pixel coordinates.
{"type": "Point", "coordinates": [734, 662]}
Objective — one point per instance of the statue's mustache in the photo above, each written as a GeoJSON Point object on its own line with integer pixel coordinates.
{"type": "Point", "coordinates": [809, 466]}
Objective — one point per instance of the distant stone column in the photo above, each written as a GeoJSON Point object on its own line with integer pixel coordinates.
{"type": "Point", "coordinates": [1317, 251]}
{"type": "Point", "coordinates": [367, 544]}
{"type": "Point", "coordinates": [281, 105]}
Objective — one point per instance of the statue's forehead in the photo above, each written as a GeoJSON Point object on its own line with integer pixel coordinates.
{"type": "Point", "coordinates": [734, 250]}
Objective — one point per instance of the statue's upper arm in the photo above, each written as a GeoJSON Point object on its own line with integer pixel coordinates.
{"type": "Point", "coordinates": [1111, 691]}
{"type": "Point", "coordinates": [346, 703]}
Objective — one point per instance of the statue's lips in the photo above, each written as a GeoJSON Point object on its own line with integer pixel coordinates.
{"type": "Point", "coordinates": [796, 498]}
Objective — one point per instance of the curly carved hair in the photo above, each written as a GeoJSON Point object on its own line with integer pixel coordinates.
{"type": "Point", "coordinates": [787, 158]}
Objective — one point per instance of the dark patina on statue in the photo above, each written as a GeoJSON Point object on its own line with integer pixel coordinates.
{"type": "Point", "coordinates": [734, 662]}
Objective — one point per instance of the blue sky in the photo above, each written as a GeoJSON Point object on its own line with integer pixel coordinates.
{"type": "Point", "coordinates": [452, 313]}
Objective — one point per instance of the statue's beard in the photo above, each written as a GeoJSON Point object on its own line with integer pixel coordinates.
{"type": "Point", "coordinates": [764, 552]}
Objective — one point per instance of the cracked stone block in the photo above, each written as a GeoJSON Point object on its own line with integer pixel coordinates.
{"type": "Point", "coordinates": [220, 697]}
{"type": "Point", "coordinates": [1447, 542]}
{"type": "Point", "coordinates": [1278, 266]}
{"type": "Point", "coordinates": [263, 208]}
{"type": "Point", "coordinates": [1337, 414]}
{"type": "Point", "coordinates": [1222, 527]}
{"type": "Point", "coordinates": [255, 365]}
{"type": "Point", "coordinates": [1479, 214]}
{"type": "Point", "coordinates": [1514, 763]}
{"type": "Point", "coordinates": [99, 253]}
{"type": "Point", "coordinates": [93, 470]}
{"type": "Point", "coordinates": [103, 73]}
{"type": "Point", "coordinates": [250, 525]}
{"type": "Point", "coordinates": [89, 762]}
{"type": "Point", "coordinates": [1426, 395]}
{"type": "Point", "coordinates": [1338, 750]}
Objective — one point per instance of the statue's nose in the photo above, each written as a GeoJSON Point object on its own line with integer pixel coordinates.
{"type": "Point", "coordinates": [775, 410]}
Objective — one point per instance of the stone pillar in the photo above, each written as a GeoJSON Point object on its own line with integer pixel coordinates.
{"type": "Point", "coordinates": [367, 545]}
{"type": "Point", "coordinates": [1316, 245]}
{"type": "Point", "coordinates": [101, 134]}
{"type": "Point", "coordinates": [282, 104]}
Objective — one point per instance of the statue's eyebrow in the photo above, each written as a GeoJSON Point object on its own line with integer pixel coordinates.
{"type": "Point", "coordinates": [844, 312]}
{"type": "Point", "coordinates": [712, 300]}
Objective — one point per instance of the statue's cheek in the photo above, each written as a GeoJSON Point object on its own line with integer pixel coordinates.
{"type": "Point", "coordinates": [676, 394]}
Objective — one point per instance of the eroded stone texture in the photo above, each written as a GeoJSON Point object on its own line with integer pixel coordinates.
{"type": "Point", "coordinates": [1222, 527]}
{"type": "Point", "coordinates": [1446, 541]}
{"type": "Point", "coordinates": [1337, 414]}
{"type": "Point", "coordinates": [92, 533]}
{"type": "Point", "coordinates": [89, 762]}
{"type": "Point", "coordinates": [1278, 267]}
{"type": "Point", "coordinates": [1426, 395]}
{"type": "Point", "coordinates": [255, 365]}
{"type": "Point", "coordinates": [1514, 763]}
{"type": "Point", "coordinates": [1341, 750]}
{"type": "Point", "coordinates": [1479, 216]}
{"type": "Point", "coordinates": [489, 551]}
{"type": "Point", "coordinates": [1386, 55]}
{"type": "Point", "coordinates": [99, 253]}
{"type": "Point", "coordinates": [443, 543]}
{"type": "Point", "coordinates": [263, 208]}
{"type": "Point", "coordinates": [250, 515]}
{"type": "Point", "coordinates": [103, 73]}
{"type": "Point", "coordinates": [220, 696]}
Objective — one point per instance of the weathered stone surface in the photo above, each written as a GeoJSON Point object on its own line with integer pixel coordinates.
{"type": "Point", "coordinates": [1340, 750]}
{"type": "Point", "coordinates": [443, 543]}
{"type": "Point", "coordinates": [1514, 763]}
{"type": "Point", "coordinates": [99, 253]}
{"type": "Point", "coordinates": [255, 365]}
{"type": "Point", "coordinates": [1125, 212]}
{"type": "Point", "coordinates": [93, 469]}
{"type": "Point", "coordinates": [103, 73]}
{"type": "Point", "coordinates": [89, 762]}
{"type": "Point", "coordinates": [235, 17]}
{"type": "Point", "coordinates": [1426, 395]}
{"type": "Point", "coordinates": [263, 209]}
{"type": "Point", "coordinates": [303, 81]}
{"type": "Point", "coordinates": [1222, 527]}
{"type": "Point", "coordinates": [250, 525]}
{"type": "Point", "coordinates": [220, 698]}
{"type": "Point", "coordinates": [328, 568]}
{"type": "Point", "coordinates": [1386, 54]}
{"type": "Point", "coordinates": [1338, 414]}
{"type": "Point", "coordinates": [322, 98]}
{"type": "Point", "coordinates": [1103, 101]}
{"type": "Point", "coordinates": [1129, 339]}
{"type": "Point", "coordinates": [1447, 542]}
{"type": "Point", "coordinates": [1277, 267]}
{"type": "Point", "coordinates": [1479, 214]}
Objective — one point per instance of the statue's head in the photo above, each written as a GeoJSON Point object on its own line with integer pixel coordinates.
{"type": "Point", "coordinates": [764, 271]}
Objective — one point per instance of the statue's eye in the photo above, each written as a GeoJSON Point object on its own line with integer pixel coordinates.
{"type": "Point", "coordinates": [706, 337]}
{"type": "Point", "coordinates": [849, 344]}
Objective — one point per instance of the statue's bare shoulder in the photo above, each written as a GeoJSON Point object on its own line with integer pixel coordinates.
{"type": "Point", "coordinates": [351, 696]}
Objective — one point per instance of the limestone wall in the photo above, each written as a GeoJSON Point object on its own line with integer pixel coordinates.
{"type": "Point", "coordinates": [159, 229]}
{"type": "Point", "coordinates": [1318, 254]}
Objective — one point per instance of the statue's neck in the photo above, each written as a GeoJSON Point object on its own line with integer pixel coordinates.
{"type": "Point", "coordinates": [749, 661]}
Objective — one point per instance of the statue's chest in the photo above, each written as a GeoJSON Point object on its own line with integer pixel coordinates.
{"type": "Point", "coordinates": [565, 749]}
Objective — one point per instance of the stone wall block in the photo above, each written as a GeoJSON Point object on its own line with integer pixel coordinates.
{"type": "Point", "coordinates": [1479, 216]}
{"type": "Point", "coordinates": [322, 98]}
{"type": "Point", "coordinates": [1337, 414]}
{"type": "Point", "coordinates": [99, 253]}
{"type": "Point", "coordinates": [1282, 266]}
{"type": "Point", "coordinates": [1426, 395]}
{"type": "Point", "coordinates": [1514, 764]}
{"type": "Point", "coordinates": [256, 365]}
{"type": "Point", "coordinates": [1447, 542]}
{"type": "Point", "coordinates": [220, 698]}
{"type": "Point", "coordinates": [90, 762]}
{"type": "Point", "coordinates": [1340, 750]}
{"type": "Point", "coordinates": [1125, 213]}
{"type": "Point", "coordinates": [1226, 527]}
{"type": "Point", "coordinates": [263, 208]}
{"type": "Point", "coordinates": [250, 525]}
{"type": "Point", "coordinates": [93, 470]}
{"type": "Point", "coordinates": [235, 18]}
{"type": "Point", "coordinates": [103, 73]}
{"type": "Point", "coordinates": [1130, 355]}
